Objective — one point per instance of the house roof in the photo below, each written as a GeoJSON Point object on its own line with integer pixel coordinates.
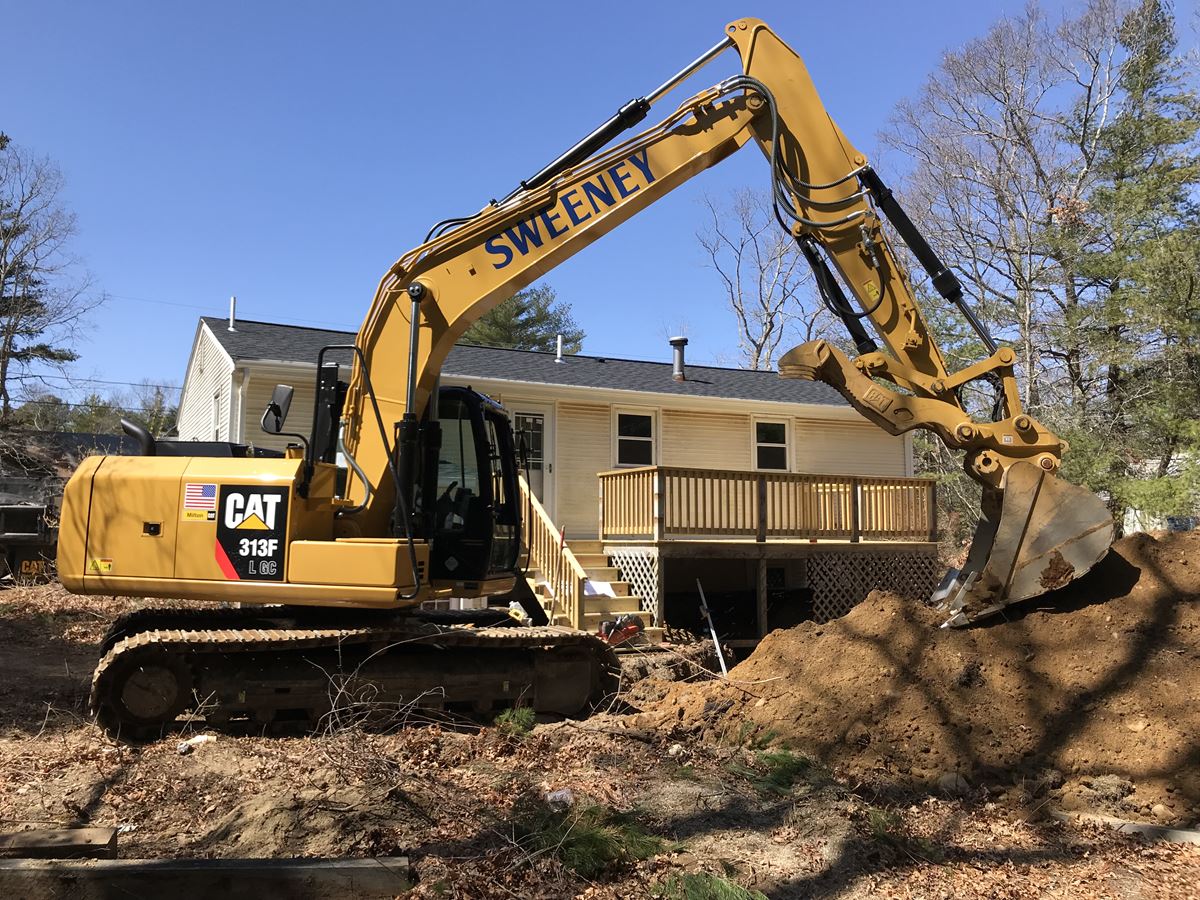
{"type": "Point", "coordinates": [268, 342]}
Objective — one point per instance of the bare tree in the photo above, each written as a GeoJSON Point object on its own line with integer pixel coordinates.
{"type": "Point", "coordinates": [42, 294]}
{"type": "Point", "coordinates": [1056, 166]}
{"type": "Point", "coordinates": [764, 277]}
{"type": "Point", "coordinates": [1005, 136]}
{"type": "Point", "coordinates": [155, 405]}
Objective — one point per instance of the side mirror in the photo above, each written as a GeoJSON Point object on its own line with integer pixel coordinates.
{"type": "Point", "coordinates": [277, 410]}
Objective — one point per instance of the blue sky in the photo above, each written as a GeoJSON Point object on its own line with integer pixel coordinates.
{"type": "Point", "coordinates": [289, 152]}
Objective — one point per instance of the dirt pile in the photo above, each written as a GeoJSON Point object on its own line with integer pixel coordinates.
{"type": "Point", "coordinates": [1100, 679]}
{"type": "Point", "coordinates": [48, 648]}
{"type": "Point", "coordinates": [647, 673]}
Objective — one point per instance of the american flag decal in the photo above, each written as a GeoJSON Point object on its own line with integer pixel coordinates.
{"type": "Point", "coordinates": [200, 496]}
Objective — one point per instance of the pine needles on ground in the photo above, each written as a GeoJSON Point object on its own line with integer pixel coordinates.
{"type": "Point", "coordinates": [588, 839]}
{"type": "Point", "coordinates": [702, 886]}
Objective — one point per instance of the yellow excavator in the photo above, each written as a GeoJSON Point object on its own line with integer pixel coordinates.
{"type": "Point", "coordinates": [321, 568]}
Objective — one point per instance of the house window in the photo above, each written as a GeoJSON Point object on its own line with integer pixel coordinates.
{"type": "Point", "coordinates": [216, 416]}
{"type": "Point", "coordinates": [635, 439]}
{"type": "Point", "coordinates": [770, 446]}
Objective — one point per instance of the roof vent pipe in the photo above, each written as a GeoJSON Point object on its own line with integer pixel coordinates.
{"type": "Point", "coordinates": [678, 343]}
{"type": "Point", "coordinates": [558, 355]}
{"type": "Point", "coordinates": [232, 313]}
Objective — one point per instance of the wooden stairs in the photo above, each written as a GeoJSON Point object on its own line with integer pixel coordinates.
{"type": "Point", "coordinates": [606, 596]}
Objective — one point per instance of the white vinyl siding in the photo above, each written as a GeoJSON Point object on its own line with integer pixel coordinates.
{"type": "Point", "coordinates": [209, 374]}
{"type": "Point", "coordinates": [262, 381]}
{"type": "Point", "coordinates": [582, 450]}
{"type": "Point", "coordinates": [843, 448]}
{"type": "Point", "coordinates": [702, 440]}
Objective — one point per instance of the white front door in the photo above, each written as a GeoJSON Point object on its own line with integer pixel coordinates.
{"type": "Point", "coordinates": [533, 424]}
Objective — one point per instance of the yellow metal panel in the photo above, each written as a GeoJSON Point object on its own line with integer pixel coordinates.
{"type": "Point", "coordinates": [199, 555]}
{"type": "Point", "coordinates": [312, 517]}
{"type": "Point", "coordinates": [257, 592]}
{"type": "Point", "coordinates": [73, 524]}
{"type": "Point", "coordinates": [127, 527]}
{"type": "Point", "coordinates": [242, 471]}
{"type": "Point", "coordinates": [368, 563]}
{"type": "Point", "coordinates": [133, 497]}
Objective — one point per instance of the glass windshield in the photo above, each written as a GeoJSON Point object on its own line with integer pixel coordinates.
{"type": "Point", "coordinates": [458, 480]}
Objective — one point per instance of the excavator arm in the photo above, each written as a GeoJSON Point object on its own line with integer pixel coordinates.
{"type": "Point", "coordinates": [1037, 531]}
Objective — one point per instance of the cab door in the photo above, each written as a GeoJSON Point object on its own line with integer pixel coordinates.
{"type": "Point", "coordinates": [475, 513]}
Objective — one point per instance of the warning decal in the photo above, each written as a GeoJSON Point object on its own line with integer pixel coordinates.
{"type": "Point", "coordinates": [252, 532]}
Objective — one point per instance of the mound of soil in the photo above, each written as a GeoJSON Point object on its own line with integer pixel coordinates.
{"type": "Point", "coordinates": [647, 673]}
{"type": "Point", "coordinates": [1094, 685]}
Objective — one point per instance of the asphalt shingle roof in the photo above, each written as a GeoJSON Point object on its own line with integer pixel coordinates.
{"type": "Point", "coordinates": [268, 341]}
{"type": "Point", "coordinates": [291, 343]}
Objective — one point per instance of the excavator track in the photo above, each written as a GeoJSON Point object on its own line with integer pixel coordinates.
{"type": "Point", "coordinates": [271, 669]}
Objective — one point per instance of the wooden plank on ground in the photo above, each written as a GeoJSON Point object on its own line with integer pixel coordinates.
{"type": "Point", "coordinates": [60, 843]}
{"type": "Point", "coordinates": [194, 879]}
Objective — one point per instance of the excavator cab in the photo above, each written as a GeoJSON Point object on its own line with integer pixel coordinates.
{"type": "Point", "coordinates": [456, 479]}
{"type": "Point", "coordinates": [465, 502]}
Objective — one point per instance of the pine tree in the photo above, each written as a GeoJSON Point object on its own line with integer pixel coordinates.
{"type": "Point", "coordinates": [1145, 267]}
{"type": "Point", "coordinates": [23, 314]}
{"type": "Point", "coordinates": [531, 319]}
{"type": "Point", "coordinates": [41, 301]}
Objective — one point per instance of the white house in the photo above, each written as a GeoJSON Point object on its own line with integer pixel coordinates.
{"type": "Point", "coordinates": [602, 430]}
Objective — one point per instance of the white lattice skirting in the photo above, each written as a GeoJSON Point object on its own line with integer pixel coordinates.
{"type": "Point", "coordinates": [839, 583]}
{"type": "Point", "coordinates": [640, 569]}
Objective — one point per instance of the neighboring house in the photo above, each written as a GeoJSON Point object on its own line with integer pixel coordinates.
{"type": "Point", "coordinates": [731, 457]}
{"type": "Point", "coordinates": [1178, 470]}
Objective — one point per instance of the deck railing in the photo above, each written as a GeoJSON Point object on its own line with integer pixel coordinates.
{"type": "Point", "coordinates": [665, 502]}
{"type": "Point", "coordinates": [556, 564]}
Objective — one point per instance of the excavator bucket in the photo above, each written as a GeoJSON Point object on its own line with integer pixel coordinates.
{"type": "Point", "coordinates": [1037, 534]}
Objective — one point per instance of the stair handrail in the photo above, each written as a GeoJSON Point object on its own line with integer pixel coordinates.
{"type": "Point", "coordinates": [553, 558]}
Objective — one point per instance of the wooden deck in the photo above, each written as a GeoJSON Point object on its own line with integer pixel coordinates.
{"type": "Point", "coordinates": [843, 535]}
{"type": "Point", "coordinates": [667, 503]}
